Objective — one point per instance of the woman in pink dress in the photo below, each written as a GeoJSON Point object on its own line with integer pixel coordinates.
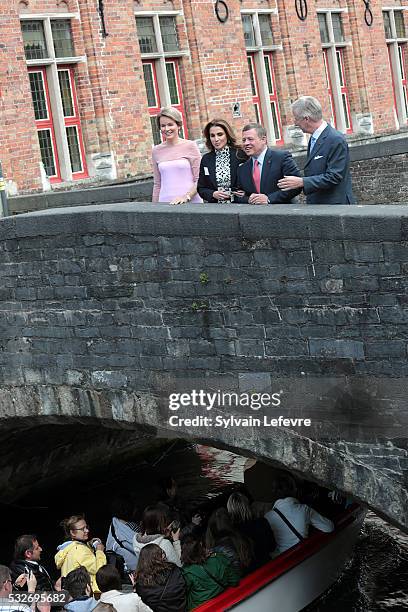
{"type": "Point", "coordinates": [176, 162]}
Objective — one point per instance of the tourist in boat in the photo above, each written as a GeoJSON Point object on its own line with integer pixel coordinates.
{"type": "Point", "coordinates": [110, 586]}
{"type": "Point", "coordinates": [156, 529]}
{"type": "Point", "coordinates": [289, 519]}
{"type": "Point", "coordinates": [223, 538]}
{"type": "Point", "coordinates": [256, 529]}
{"type": "Point", "coordinates": [78, 584]}
{"type": "Point", "coordinates": [176, 162]}
{"type": "Point", "coordinates": [218, 169]}
{"type": "Point", "coordinates": [159, 583]}
{"type": "Point", "coordinates": [207, 574]}
{"type": "Point", "coordinates": [122, 530]}
{"type": "Point", "coordinates": [78, 550]}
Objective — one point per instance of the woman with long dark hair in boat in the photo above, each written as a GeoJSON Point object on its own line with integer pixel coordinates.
{"type": "Point", "coordinates": [159, 583]}
{"type": "Point", "coordinates": [256, 529]}
{"type": "Point", "coordinates": [207, 574]}
{"type": "Point", "coordinates": [156, 529]}
{"type": "Point", "coordinates": [223, 538]}
{"type": "Point", "coordinates": [290, 519]}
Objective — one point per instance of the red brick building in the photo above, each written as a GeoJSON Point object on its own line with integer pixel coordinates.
{"type": "Point", "coordinates": [82, 80]}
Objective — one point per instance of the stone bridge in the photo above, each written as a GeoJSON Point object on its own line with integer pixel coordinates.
{"type": "Point", "coordinates": [106, 311]}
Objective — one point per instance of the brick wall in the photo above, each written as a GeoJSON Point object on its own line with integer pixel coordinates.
{"type": "Point", "coordinates": [214, 75]}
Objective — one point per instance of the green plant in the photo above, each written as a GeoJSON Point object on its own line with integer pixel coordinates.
{"type": "Point", "coordinates": [204, 278]}
{"type": "Point", "coordinates": [199, 306]}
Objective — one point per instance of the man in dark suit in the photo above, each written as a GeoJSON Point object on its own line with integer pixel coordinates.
{"type": "Point", "coordinates": [259, 176]}
{"type": "Point", "coordinates": [327, 170]}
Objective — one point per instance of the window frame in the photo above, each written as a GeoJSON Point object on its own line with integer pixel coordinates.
{"type": "Point", "coordinates": [397, 56]}
{"type": "Point", "coordinates": [159, 60]}
{"type": "Point", "coordinates": [256, 55]}
{"type": "Point", "coordinates": [47, 124]}
{"type": "Point", "coordinates": [50, 66]}
{"type": "Point", "coordinates": [333, 50]}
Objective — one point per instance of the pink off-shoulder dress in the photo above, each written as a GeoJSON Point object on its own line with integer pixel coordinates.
{"type": "Point", "coordinates": [175, 170]}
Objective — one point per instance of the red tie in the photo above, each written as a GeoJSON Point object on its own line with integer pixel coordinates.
{"type": "Point", "coordinates": [256, 175]}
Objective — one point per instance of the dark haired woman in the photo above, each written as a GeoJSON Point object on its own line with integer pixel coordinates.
{"type": "Point", "coordinates": [223, 538]}
{"type": "Point", "coordinates": [159, 583]}
{"type": "Point", "coordinates": [207, 574]}
{"type": "Point", "coordinates": [218, 168]}
{"type": "Point", "coordinates": [78, 550]}
{"type": "Point", "coordinates": [156, 529]}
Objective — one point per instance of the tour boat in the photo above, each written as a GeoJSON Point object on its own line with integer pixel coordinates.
{"type": "Point", "coordinates": [297, 577]}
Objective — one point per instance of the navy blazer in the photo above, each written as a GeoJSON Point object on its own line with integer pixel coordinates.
{"type": "Point", "coordinates": [327, 170]}
{"type": "Point", "coordinates": [207, 182]}
{"type": "Point", "coordinates": [277, 163]}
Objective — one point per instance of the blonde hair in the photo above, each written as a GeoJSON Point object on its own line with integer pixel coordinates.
{"type": "Point", "coordinates": [171, 113]}
{"type": "Point", "coordinates": [68, 524]}
{"type": "Point", "coordinates": [238, 508]}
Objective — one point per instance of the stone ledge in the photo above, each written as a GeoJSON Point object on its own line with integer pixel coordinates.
{"type": "Point", "coordinates": [280, 221]}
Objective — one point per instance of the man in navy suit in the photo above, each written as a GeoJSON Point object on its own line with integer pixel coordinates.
{"type": "Point", "coordinates": [327, 170]}
{"type": "Point", "coordinates": [258, 177]}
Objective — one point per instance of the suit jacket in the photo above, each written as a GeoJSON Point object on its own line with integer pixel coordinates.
{"type": "Point", "coordinates": [207, 182]}
{"type": "Point", "coordinates": [327, 170]}
{"type": "Point", "coordinates": [276, 164]}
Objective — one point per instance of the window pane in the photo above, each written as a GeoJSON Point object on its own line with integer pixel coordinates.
{"type": "Point", "coordinates": [47, 153]}
{"type": "Point", "coordinates": [268, 74]}
{"type": "Point", "coordinates": [345, 108]}
{"type": "Point", "coordinates": [146, 35]}
{"type": "Point", "coordinates": [34, 40]}
{"type": "Point", "coordinates": [324, 32]}
{"type": "Point", "coordinates": [339, 66]}
{"type": "Point", "coordinates": [387, 24]}
{"type": "Point", "coordinates": [149, 83]}
{"type": "Point", "coordinates": [38, 94]}
{"type": "Point", "coordinates": [62, 37]}
{"type": "Point", "coordinates": [337, 27]}
{"type": "Point", "coordinates": [73, 146]}
{"type": "Point", "coordinates": [275, 121]}
{"type": "Point", "coordinates": [265, 28]}
{"type": "Point", "coordinates": [251, 75]}
{"type": "Point", "coordinates": [168, 31]}
{"type": "Point", "coordinates": [66, 95]}
{"type": "Point", "coordinates": [155, 131]}
{"type": "Point", "coordinates": [404, 91]}
{"type": "Point", "coordinates": [171, 78]}
{"type": "Point", "coordinates": [249, 34]}
{"type": "Point", "coordinates": [401, 61]}
{"type": "Point", "coordinates": [257, 116]}
{"type": "Point", "coordinates": [399, 24]}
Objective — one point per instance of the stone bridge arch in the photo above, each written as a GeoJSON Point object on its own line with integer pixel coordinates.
{"type": "Point", "coordinates": [105, 311]}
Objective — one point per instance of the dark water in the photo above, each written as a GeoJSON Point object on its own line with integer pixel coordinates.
{"type": "Point", "coordinates": [376, 579]}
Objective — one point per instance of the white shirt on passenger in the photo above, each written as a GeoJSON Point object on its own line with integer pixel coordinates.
{"type": "Point", "coordinates": [301, 516]}
{"type": "Point", "coordinates": [124, 602]}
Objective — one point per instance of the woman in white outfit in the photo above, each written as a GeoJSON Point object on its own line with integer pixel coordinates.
{"type": "Point", "coordinates": [156, 530]}
{"type": "Point", "coordinates": [300, 516]}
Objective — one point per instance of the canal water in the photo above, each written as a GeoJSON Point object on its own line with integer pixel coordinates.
{"type": "Point", "coordinates": [376, 579]}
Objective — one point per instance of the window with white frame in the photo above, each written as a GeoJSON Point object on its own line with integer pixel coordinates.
{"type": "Point", "coordinates": [333, 46]}
{"type": "Point", "coordinates": [260, 46]}
{"type": "Point", "coordinates": [396, 38]}
{"type": "Point", "coordinates": [161, 55]}
{"type": "Point", "coordinates": [51, 63]}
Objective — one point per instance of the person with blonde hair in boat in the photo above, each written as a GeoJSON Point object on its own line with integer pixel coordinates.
{"type": "Point", "coordinates": [289, 519]}
{"type": "Point", "coordinates": [256, 529]}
